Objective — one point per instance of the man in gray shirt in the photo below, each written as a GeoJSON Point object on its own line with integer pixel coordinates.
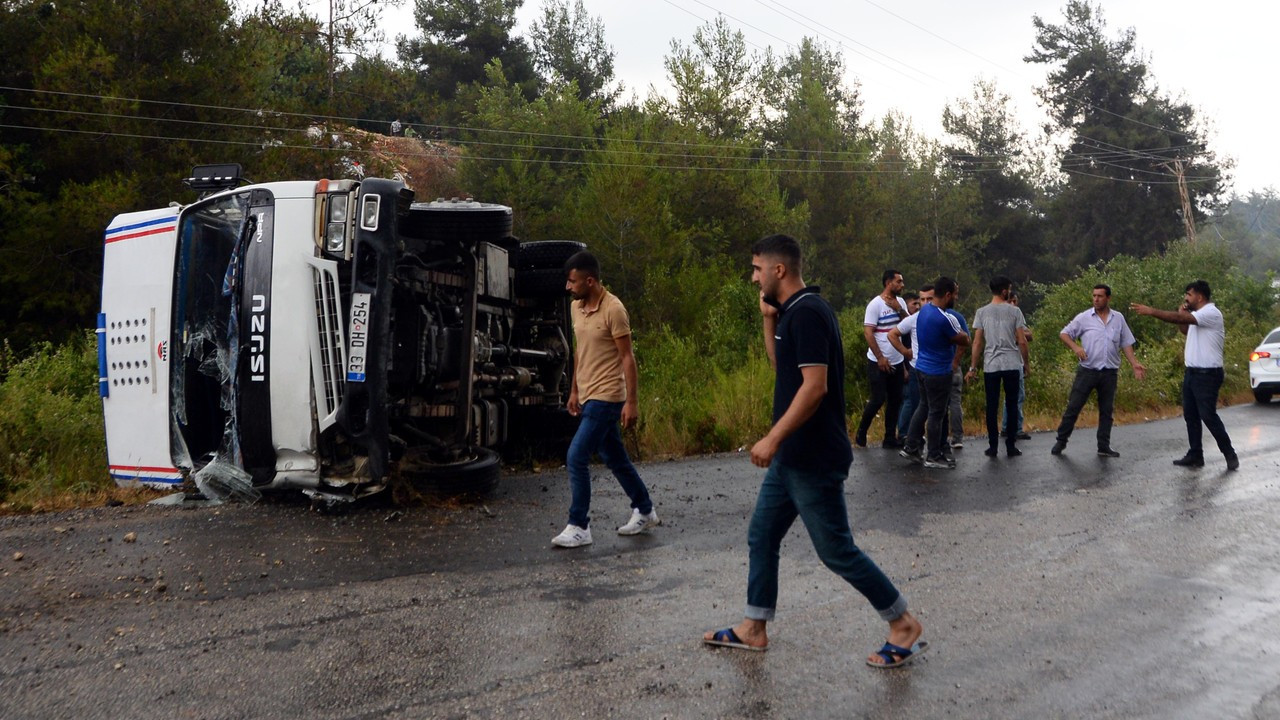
{"type": "Point", "coordinates": [1102, 334]}
{"type": "Point", "coordinates": [1000, 329]}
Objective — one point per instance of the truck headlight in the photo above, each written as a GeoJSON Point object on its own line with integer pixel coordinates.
{"type": "Point", "coordinates": [338, 208]}
{"type": "Point", "coordinates": [369, 212]}
{"type": "Point", "coordinates": [335, 237]}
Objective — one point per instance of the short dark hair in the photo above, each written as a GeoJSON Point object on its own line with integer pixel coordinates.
{"type": "Point", "coordinates": [1101, 286]}
{"type": "Point", "coordinates": [779, 245]}
{"type": "Point", "coordinates": [999, 284]}
{"type": "Point", "coordinates": [911, 295]}
{"type": "Point", "coordinates": [927, 287]}
{"type": "Point", "coordinates": [943, 285]}
{"type": "Point", "coordinates": [1201, 287]}
{"type": "Point", "coordinates": [888, 275]}
{"type": "Point", "coordinates": [583, 262]}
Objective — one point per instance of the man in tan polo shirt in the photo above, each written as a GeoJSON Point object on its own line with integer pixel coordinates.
{"type": "Point", "coordinates": [603, 394]}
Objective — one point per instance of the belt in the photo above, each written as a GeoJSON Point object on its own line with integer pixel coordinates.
{"type": "Point", "coordinates": [1204, 371]}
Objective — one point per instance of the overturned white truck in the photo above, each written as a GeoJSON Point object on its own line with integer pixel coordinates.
{"type": "Point", "coordinates": [325, 336]}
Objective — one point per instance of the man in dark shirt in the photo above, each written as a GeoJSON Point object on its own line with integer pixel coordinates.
{"type": "Point", "coordinates": [807, 454]}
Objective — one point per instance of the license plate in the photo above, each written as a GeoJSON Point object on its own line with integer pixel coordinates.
{"type": "Point", "coordinates": [358, 337]}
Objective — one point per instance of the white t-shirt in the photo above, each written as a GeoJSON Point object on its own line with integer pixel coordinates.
{"type": "Point", "coordinates": [1205, 338]}
{"type": "Point", "coordinates": [882, 318]}
{"type": "Point", "coordinates": [907, 328]}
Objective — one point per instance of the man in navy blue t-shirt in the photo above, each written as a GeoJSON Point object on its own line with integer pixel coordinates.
{"type": "Point", "coordinates": [807, 454]}
{"type": "Point", "coordinates": [937, 336]}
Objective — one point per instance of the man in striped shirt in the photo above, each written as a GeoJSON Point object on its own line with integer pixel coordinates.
{"type": "Point", "coordinates": [885, 365]}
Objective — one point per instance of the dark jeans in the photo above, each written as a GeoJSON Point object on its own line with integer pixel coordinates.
{"type": "Point", "coordinates": [910, 399]}
{"type": "Point", "coordinates": [817, 498]}
{"type": "Point", "coordinates": [1088, 380]}
{"type": "Point", "coordinates": [992, 383]}
{"type": "Point", "coordinates": [1200, 404]}
{"type": "Point", "coordinates": [886, 391]}
{"type": "Point", "coordinates": [1022, 399]}
{"type": "Point", "coordinates": [955, 411]}
{"type": "Point", "coordinates": [598, 432]}
{"type": "Point", "coordinates": [935, 392]}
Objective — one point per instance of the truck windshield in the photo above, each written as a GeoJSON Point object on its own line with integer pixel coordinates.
{"type": "Point", "coordinates": [206, 331]}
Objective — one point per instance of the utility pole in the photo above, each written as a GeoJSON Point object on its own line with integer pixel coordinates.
{"type": "Point", "coordinates": [1187, 218]}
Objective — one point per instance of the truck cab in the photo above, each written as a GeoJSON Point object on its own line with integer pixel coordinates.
{"type": "Point", "coordinates": [326, 336]}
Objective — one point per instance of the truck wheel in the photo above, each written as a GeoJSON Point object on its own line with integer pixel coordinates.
{"type": "Point", "coordinates": [460, 221]}
{"type": "Point", "coordinates": [475, 476]}
{"type": "Point", "coordinates": [540, 283]}
{"type": "Point", "coordinates": [548, 254]}
{"type": "Point", "coordinates": [1262, 397]}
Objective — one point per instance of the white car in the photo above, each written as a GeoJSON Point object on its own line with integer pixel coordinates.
{"type": "Point", "coordinates": [1264, 367]}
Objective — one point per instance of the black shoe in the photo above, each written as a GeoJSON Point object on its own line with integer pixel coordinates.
{"type": "Point", "coordinates": [990, 452]}
{"type": "Point", "coordinates": [1024, 436]}
{"type": "Point", "coordinates": [1057, 448]}
{"type": "Point", "coordinates": [1189, 460]}
{"type": "Point", "coordinates": [1233, 462]}
{"type": "Point", "coordinates": [915, 456]}
{"type": "Point", "coordinates": [1013, 452]}
{"type": "Point", "coordinates": [860, 440]}
{"type": "Point", "coordinates": [891, 444]}
{"type": "Point", "coordinates": [1107, 452]}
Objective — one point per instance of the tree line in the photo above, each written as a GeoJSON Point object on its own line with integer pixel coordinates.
{"type": "Point", "coordinates": [104, 106]}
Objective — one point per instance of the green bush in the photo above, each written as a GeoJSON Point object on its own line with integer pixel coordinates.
{"type": "Point", "coordinates": [51, 432]}
{"type": "Point", "coordinates": [709, 389]}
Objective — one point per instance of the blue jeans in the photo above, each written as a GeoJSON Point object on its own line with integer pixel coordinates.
{"type": "Point", "coordinates": [910, 398]}
{"type": "Point", "coordinates": [1200, 404]}
{"type": "Point", "coordinates": [817, 497]}
{"type": "Point", "coordinates": [598, 432]}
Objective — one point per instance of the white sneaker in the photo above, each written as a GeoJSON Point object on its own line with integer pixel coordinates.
{"type": "Point", "coordinates": [572, 536]}
{"type": "Point", "coordinates": [639, 522]}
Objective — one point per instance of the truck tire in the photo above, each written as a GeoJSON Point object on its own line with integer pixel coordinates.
{"type": "Point", "coordinates": [540, 283]}
{"type": "Point", "coordinates": [476, 476]}
{"type": "Point", "coordinates": [457, 221]}
{"type": "Point", "coordinates": [1262, 397]}
{"type": "Point", "coordinates": [547, 254]}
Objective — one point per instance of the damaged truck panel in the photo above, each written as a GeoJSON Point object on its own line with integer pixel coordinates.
{"type": "Point", "coordinates": [134, 348]}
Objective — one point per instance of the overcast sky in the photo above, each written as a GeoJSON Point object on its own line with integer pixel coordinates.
{"type": "Point", "coordinates": [916, 55]}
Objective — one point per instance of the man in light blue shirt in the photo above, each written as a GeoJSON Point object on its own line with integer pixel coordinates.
{"type": "Point", "coordinates": [1097, 336]}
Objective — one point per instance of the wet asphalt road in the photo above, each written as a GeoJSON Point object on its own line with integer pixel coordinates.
{"type": "Point", "coordinates": [1049, 587]}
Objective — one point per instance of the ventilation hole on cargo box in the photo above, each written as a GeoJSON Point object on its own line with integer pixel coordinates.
{"type": "Point", "coordinates": [146, 380]}
{"type": "Point", "coordinates": [144, 363]}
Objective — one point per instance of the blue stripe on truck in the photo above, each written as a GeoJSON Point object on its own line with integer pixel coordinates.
{"type": "Point", "coordinates": [101, 332]}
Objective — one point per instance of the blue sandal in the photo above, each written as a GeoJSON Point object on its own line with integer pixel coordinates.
{"type": "Point", "coordinates": [728, 638]}
{"type": "Point", "coordinates": [903, 655]}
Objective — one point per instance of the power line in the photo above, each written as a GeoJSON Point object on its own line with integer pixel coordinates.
{"type": "Point", "coordinates": [763, 167]}
{"type": "Point", "coordinates": [779, 10]}
{"type": "Point", "coordinates": [1083, 102]}
{"type": "Point", "coordinates": [842, 155]}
